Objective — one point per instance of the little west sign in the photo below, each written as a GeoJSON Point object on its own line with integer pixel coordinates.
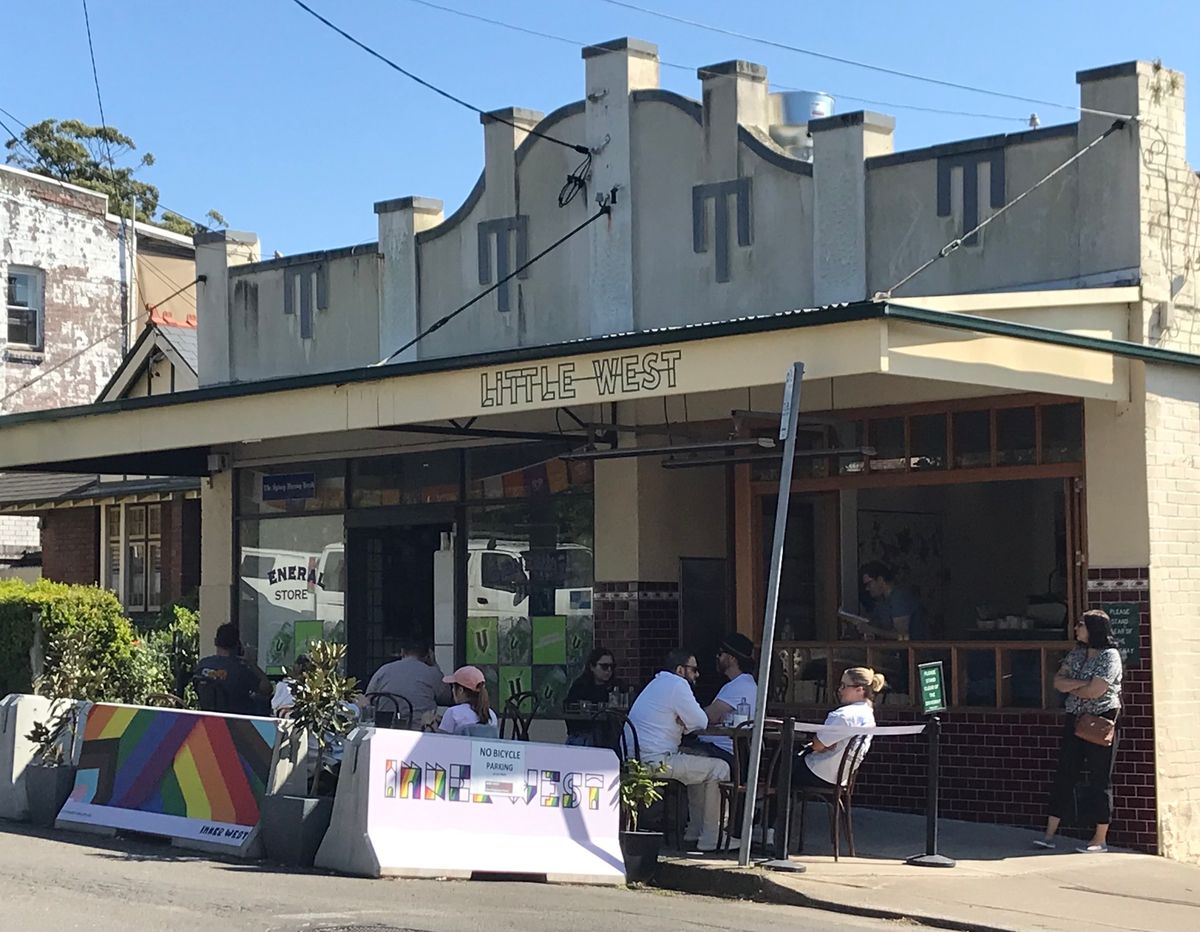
{"type": "Point", "coordinates": [620, 375]}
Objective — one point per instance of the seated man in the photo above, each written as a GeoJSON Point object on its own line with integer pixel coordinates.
{"type": "Point", "coordinates": [894, 613]}
{"type": "Point", "coordinates": [416, 677]}
{"type": "Point", "coordinates": [236, 686]}
{"type": "Point", "coordinates": [739, 695]}
{"type": "Point", "coordinates": [662, 712]}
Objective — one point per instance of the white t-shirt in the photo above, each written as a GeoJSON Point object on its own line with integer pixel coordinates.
{"type": "Point", "coordinates": [855, 715]}
{"type": "Point", "coordinates": [458, 717]}
{"type": "Point", "coordinates": [282, 699]}
{"type": "Point", "coordinates": [741, 688]}
{"type": "Point", "coordinates": [662, 712]}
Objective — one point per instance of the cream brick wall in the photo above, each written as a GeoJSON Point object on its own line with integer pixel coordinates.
{"type": "Point", "coordinates": [1170, 233]}
{"type": "Point", "coordinates": [19, 533]}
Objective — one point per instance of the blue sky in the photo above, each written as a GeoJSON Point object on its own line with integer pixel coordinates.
{"type": "Point", "coordinates": [253, 108]}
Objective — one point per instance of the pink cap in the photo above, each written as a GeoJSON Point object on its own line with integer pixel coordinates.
{"type": "Point", "coordinates": [467, 677]}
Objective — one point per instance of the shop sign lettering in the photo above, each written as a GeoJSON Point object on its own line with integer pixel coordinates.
{"type": "Point", "coordinates": [626, 374]}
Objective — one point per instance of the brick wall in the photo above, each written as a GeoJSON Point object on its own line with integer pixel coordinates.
{"type": "Point", "coordinates": [71, 545]}
{"type": "Point", "coordinates": [997, 765]}
{"type": "Point", "coordinates": [639, 623]}
{"type": "Point", "coordinates": [18, 535]}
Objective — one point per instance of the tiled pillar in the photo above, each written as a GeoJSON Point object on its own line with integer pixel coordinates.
{"type": "Point", "coordinates": [639, 623]}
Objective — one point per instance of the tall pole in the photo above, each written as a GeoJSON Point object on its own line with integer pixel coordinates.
{"type": "Point", "coordinates": [787, 432]}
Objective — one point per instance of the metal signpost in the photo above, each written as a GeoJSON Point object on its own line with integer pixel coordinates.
{"type": "Point", "coordinates": [787, 433]}
{"type": "Point", "coordinates": [933, 700]}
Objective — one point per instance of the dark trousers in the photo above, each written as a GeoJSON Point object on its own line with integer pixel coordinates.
{"type": "Point", "coordinates": [1095, 806]}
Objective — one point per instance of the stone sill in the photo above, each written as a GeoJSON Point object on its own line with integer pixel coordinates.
{"type": "Point", "coordinates": [32, 357]}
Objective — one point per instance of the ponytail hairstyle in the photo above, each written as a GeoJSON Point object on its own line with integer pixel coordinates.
{"type": "Point", "coordinates": [477, 699]}
{"type": "Point", "coordinates": [872, 683]}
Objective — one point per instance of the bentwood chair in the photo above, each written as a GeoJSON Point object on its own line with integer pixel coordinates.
{"type": "Point", "coordinates": [393, 717]}
{"type": "Point", "coordinates": [614, 730]}
{"type": "Point", "coordinates": [838, 798]}
{"type": "Point", "coordinates": [733, 790]}
{"type": "Point", "coordinates": [519, 712]}
{"type": "Point", "coordinates": [165, 701]}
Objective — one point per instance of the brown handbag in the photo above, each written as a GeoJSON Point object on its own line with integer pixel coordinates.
{"type": "Point", "coordinates": [1095, 729]}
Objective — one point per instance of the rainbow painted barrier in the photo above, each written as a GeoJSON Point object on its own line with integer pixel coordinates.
{"type": "Point", "coordinates": [195, 777]}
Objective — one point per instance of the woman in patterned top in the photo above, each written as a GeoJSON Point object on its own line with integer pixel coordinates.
{"type": "Point", "coordinates": [1090, 676]}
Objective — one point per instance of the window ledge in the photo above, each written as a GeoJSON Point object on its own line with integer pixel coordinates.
{"type": "Point", "coordinates": [24, 354]}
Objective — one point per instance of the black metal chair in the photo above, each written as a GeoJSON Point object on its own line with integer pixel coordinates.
{"type": "Point", "coordinates": [733, 791]}
{"type": "Point", "coordinates": [165, 701]}
{"type": "Point", "coordinates": [393, 717]}
{"type": "Point", "coordinates": [514, 724]}
{"type": "Point", "coordinates": [614, 730]}
{"type": "Point", "coordinates": [838, 798]}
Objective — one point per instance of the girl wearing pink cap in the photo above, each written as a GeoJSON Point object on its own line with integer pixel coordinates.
{"type": "Point", "coordinates": [471, 709]}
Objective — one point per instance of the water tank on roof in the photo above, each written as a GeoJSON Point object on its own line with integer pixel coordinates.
{"type": "Point", "coordinates": [792, 111]}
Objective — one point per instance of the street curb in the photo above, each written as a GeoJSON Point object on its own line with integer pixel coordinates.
{"type": "Point", "coordinates": [757, 884]}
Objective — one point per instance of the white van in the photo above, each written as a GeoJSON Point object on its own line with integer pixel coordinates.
{"type": "Point", "coordinates": [499, 574]}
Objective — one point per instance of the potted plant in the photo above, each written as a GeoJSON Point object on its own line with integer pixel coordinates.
{"type": "Point", "coordinates": [322, 710]}
{"type": "Point", "coordinates": [641, 787]}
{"type": "Point", "coordinates": [51, 774]}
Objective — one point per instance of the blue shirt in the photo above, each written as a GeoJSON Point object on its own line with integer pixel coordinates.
{"type": "Point", "coordinates": [898, 604]}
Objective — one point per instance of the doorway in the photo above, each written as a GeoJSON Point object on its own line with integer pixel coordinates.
{"type": "Point", "coordinates": [391, 591]}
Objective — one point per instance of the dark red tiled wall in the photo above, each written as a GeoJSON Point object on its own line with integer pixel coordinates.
{"type": "Point", "coordinates": [71, 545]}
{"type": "Point", "coordinates": [639, 623]}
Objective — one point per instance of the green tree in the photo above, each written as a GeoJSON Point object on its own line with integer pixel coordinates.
{"type": "Point", "coordinates": [100, 158]}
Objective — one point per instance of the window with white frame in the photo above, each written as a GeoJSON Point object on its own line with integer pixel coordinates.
{"type": "Point", "coordinates": [132, 555]}
{"type": "Point", "coordinates": [26, 304]}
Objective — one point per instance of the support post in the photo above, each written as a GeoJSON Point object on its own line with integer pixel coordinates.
{"type": "Point", "coordinates": [787, 432]}
{"type": "Point", "coordinates": [931, 858]}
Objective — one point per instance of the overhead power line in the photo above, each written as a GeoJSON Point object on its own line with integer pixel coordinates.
{"type": "Point", "coordinates": [855, 63]}
{"type": "Point", "coordinates": [604, 210]}
{"type": "Point", "coordinates": [583, 150]}
{"type": "Point", "coordinates": [692, 69]}
{"type": "Point", "coordinates": [954, 244]}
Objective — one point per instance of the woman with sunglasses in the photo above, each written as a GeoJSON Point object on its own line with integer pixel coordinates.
{"type": "Point", "coordinates": [818, 766]}
{"type": "Point", "coordinates": [592, 685]}
{"type": "Point", "coordinates": [1090, 677]}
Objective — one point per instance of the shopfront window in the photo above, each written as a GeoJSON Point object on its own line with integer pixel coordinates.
{"type": "Point", "coordinates": [292, 489]}
{"type": "Point", "coordinates": [292, 586]}
{"type": "Point", "coordinates": [529, 572]}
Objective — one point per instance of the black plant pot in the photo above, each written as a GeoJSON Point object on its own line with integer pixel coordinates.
{"type": "Point", "coordinates": [293, 827]}
{"type": "Point", "coordinates": [641, 855]}
{"type": "Point", "coordinates": [47, 789]}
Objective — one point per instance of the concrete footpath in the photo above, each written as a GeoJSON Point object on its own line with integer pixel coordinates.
{"type": "Point", "coordinates": [1000, 883]}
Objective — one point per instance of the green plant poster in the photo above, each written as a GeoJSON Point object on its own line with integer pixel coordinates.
{"type": "Point", "coordinates": [514, 680]}
{"type": "Point", "coordinates": [550, 685]}
{"type": "Point", "coordinates": [483, 641]}
{"type": "Point", "coordinates": [516, 641]}
{"type": "Point", "coordinates": [550, 640]}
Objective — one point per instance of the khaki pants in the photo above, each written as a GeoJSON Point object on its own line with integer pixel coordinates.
{"type": "Point", "coordinates": [701, 776]}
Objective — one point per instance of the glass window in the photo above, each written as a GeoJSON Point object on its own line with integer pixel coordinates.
{"type": "Point", "coordinates": [972, 439]}
{"type": "Point", "coordinates": [113, 518]}
{"type": "Point", "coordinates": [1016, 437]}
{"type": "Point", "coordinates": [502, 571]}
{"type": "Point", "coordinates": [25, 303]}
{"type": "Point", "coordinates": [135, 521]}
{"type": "Point", "coordinates": [154, 575]}
{"type": "Point", "coordinates": [292, 489]}
{"type": "Point", "coordinates": [411, 478]}
{"type": "Point", "coordinates": [114, 566]}
{"type": "Point", "coordinates": [886, 435]}
{"type": "Point", "coordinates": [1062, 433]}
{"type": "Point", "coordinates": [291, 583]}
{"type": "Point", "coordinates": [523, 471]}
{"type": "Point", "coordinates": [135, 579]}
{"type": "Point", "coordinates": [154, 520]}
{"type": "Point", "coordinates": [927, 438]}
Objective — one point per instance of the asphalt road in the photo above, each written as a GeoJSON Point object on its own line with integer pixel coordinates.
{"type": "Point", "coordinates": [58, 881]}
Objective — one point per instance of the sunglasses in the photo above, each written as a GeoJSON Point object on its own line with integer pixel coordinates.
{"type": "Point", "coordinates": [688, 666]}
{"type": "Point", "coordinates": [604, 666]}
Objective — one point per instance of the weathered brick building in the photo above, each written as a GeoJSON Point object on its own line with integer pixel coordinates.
{"type": "Point", "coordinates": [75, 306]}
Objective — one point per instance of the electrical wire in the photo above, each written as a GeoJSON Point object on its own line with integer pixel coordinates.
{"type": "Point", "coordinates": [880, 69]}
{"type": "Point", "coordinates": [604, 210]}
{"type": "Point", "coordinates": [112, 166]}
{"type": "Point", "coordinates": [691, 69]}
{"type": "Point", "coordinates": [582, 150]}
{"type": "Point", "coordinates": [954, 244]}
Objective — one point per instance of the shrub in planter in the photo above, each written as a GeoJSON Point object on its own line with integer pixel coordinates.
{"type": "Point", "coordinates": [293, 826]}
{"type": "Point", "coordinates": [641, 787]}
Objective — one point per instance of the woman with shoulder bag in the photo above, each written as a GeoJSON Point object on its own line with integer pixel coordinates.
{"type": "Point", "coordinates": [1090, 676]}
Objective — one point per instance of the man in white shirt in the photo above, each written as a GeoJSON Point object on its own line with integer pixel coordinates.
{"type": "Point", "coordinates": [737, 698]}
{"type": "Point", "coordinates": [662, 712]}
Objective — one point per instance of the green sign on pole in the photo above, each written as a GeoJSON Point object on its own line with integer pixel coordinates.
{"type": "Point", "coordinates": [1126, 618]}
{"type": "Point", "coordinates": [933, 689]}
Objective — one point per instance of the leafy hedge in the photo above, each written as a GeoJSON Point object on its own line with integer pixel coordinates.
{"type": "Point", "coordinates": [91, 619]}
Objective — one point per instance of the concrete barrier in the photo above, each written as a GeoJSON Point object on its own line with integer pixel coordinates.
{"type": "Point", "coordinates": [430, 805]}
{"type": "Point", "coordinates": [18, 714]}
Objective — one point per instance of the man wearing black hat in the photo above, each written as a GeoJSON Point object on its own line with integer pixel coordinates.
{"type": "Point", "coordinates": [738, 697]}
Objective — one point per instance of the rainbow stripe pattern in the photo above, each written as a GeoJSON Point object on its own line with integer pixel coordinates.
{"type": "Point", "coordinates": [186, 764]}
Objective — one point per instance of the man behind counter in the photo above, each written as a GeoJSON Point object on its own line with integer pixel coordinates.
{"type": "Point", "coordinates": [894, 613]}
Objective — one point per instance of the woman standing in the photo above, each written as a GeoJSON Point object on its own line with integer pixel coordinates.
{"type": "Point", "coordinates": [1090, 676]}
{"type": "Point", "coordinates": [592, 685]}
